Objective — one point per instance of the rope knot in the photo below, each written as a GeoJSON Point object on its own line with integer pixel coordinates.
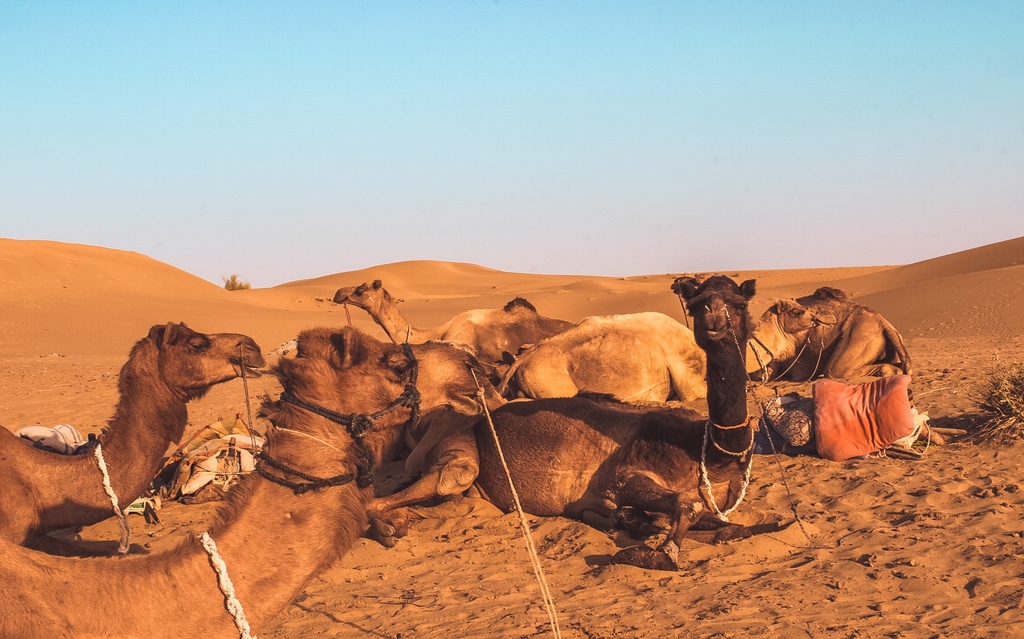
{"type": "Point", "coordinates": [359, 425]}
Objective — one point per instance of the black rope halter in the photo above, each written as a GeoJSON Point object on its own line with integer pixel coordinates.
{"type": "Point", "coordinates": [357, 425]}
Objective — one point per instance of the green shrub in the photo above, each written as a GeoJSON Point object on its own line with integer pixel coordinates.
{"type": "Point", "coordinates": [234, 284]}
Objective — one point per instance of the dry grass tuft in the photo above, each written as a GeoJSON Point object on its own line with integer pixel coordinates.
{"type": "Point", "coordinates": [233, 283]}
{"type": "Point", "coordinates": [1001, 400]}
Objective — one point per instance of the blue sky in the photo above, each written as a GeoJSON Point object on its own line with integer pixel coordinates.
{"type": "Point", "coordinates": [287, 140]}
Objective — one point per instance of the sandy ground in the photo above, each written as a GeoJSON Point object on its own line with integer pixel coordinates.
{"type": "Point", "coordinates": [883, 547]}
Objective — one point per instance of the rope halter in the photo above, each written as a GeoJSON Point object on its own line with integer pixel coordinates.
{"type": "Point", "coordinates": [358, 426]}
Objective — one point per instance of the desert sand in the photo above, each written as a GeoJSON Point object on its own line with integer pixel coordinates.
{"type": "Point", "coordinates": [884, 547]}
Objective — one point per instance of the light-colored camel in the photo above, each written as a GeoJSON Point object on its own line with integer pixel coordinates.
{"type": "Point", "coordinates": [781, 329]}
{"type": "Point", "coordinates": [845, 340]}
{"type": "Point", "coordinates": [44, 491]}
{"type": "Point", "coordinates": [493, 335]}
{"type": "Point", "coordinates": [579, 455]}
{"type": "Point", "coordinates": [345, 401]}
{"type": "Point", "coordinates": [638, 357]}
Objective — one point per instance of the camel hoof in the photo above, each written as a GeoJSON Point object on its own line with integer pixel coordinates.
{"type": "Point", "coordinates": [634, 521]}
{"type": "Point", "coordinates": [384, 532]}
{"type": "Point", "coordinates": [645, 557]}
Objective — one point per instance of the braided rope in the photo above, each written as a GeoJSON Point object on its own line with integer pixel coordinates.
{"type": "Point", "coordinates": [124, 528]}
{"type": "Point", "coordinates": [724, 515]}
{"type": "Point", "coordinates": [231, 601]}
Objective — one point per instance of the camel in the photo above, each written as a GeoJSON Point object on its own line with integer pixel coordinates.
{"type": "Point", "coordinates": [45, 491]}
{"type": "Point", "coordinates": [638, 357]}
{"type": "Point", "coordinates": [827, 334]}
{"type": "Point", "coordinates": [346, 400]}
{"type": "Point", "coordinates": [592, 455]}
{"type": "Point", "coordinates": [442, 458]}
{"type": "Point", "coordinates": [783, 329]}
{"type": "Point", "coordinates": [492, 335]}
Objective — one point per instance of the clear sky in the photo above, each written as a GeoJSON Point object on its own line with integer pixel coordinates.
{"type": "Point", "coordinates": [287, 140]}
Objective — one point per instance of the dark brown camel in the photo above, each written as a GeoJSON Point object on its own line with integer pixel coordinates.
{"type": "Point", "coordinates": [494, 336]}
{"type": "Point", "coordinates": [276, 529]}
{"type": "Point", "coordinates": [44, 491]}
{"type": "Point", "coordinates": [570, 456]}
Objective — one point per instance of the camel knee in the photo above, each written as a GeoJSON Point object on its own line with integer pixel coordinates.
{"type": "Point", "coordinates": [456, 477]}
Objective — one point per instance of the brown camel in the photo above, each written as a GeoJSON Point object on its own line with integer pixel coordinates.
{"type": "Point", "coordinates": [585, 454]}
{"type": "Point", "coordinates": [639, 357]}
{"type": "Point", "coordinates": [443, 459]}
{"type": "Point", "coordinates": [44, 491]}
{"type": "Point", "coordinates": [846, 340]}
{"type": "Point", "coordinates": [276, 530]}
{"type": "Point", "coordinates": [493, 335]}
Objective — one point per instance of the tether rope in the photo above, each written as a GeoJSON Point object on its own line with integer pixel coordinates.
{"type": "Point", "coordinates": [549, 604]}
{"type": "Point", "coordinates": [763, 423]}
{"type": "Point", "coordinates": [124, 528]}
{"type": "Point", "coordinates": [248, 406]}
{"type": "Point", "coordinates": [231, 601]}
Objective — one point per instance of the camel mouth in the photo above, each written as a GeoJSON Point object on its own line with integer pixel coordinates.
{"type": "Point", "coordinates": [718, 333]}
{"type": "Point", "coordinates": [245, 369]}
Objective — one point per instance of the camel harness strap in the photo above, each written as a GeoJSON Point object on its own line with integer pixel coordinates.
{"type": "Point", "coordinates": [358, 425]}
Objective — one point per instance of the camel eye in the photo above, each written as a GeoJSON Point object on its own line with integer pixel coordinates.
{"type": "Point", "coordinates": [199, 345]}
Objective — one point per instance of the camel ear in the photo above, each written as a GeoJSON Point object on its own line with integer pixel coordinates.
{"type": "Point", "coordinates": [748, 288]}
{"type": "Point", "coordinates": [349, 345]}
{"type": "Point", "coordinates": [685, 286]}
{"type": "Point", "coordinates": [156, 334]}
{"type": "Point", "coordinates": [165, 335]}
{"type": "Point", "coordinates": [377, 284]}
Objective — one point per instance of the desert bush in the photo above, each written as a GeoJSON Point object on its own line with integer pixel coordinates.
{"type": "Point", "coordinates": [234, 284]}
{"type": "Point", "coordinates": [1001, 402]}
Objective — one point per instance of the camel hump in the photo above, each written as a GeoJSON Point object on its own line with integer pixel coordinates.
{"type": "Point", "coordinates": [518, 302]}
{"type": "Point", "coordinates": [829, 293]}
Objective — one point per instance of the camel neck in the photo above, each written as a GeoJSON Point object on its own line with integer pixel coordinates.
{"type": "Point", "coordinates": [727, 384]}
{"type": "Point", "coordinates": [388, 317]}
{"type": "Point", "coordinates": [149, 417]}
{"type": "Point", "coordinates": [310, 532]}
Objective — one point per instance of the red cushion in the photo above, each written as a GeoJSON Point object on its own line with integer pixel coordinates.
{"type": "Point", "coordinates": [856, 420]}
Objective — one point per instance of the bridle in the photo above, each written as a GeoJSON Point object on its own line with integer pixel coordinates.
{"type": "Point", "coordinates": [357, 425]}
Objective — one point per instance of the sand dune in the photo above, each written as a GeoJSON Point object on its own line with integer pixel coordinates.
{"type": "Point", "coordinates": [895, 548]}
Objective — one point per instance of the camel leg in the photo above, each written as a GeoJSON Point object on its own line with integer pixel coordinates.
{"type": "Point", "coordinates": [454, 464]}
{"type": "Point", "coordinates": [644, 491]}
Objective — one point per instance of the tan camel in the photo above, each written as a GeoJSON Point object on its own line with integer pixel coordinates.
{"type": "Point", "coordinates": [781, 329]}
{"type": "Point", "coordinates": [493, 335]}
{"type": "Point", "coordinates": [580, 455]}
{"type": "Point", "coordinates": [44, 491]}
{"type": "Point", "coordinates": [345, 401]}
{"type": "Point", "coordinates": [846, 340]}
{"type": "Point", "coordinates": [639, 357]}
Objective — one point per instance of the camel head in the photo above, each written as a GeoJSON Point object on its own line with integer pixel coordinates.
{"type": "Point", "coordinates": [368, 296]}
{"type": "Point", "coordinates": [777, 334]}
{"type": "Point", "coordinates": [191, 362]}
{"type": "Point", "coordinates": [791, 316]}
{"type": "Point", "coordinates": [718, 307]}
{"type": "Point", "coordinates": [348, 373]}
